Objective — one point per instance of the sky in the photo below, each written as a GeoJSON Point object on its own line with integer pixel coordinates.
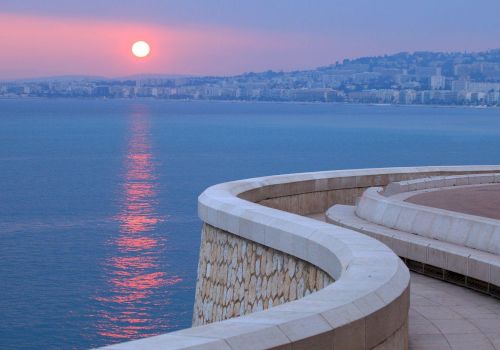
{"type": "Point", "coordinates": [226, 37]}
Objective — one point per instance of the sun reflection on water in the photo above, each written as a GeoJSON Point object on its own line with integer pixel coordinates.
{"type": "Point", "coordinates": [133, 273]}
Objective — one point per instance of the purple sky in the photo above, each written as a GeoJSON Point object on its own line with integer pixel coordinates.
{"type": "Point", "coordinates": [56, 37]}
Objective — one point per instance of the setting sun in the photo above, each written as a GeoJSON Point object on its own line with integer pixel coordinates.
{"type": "Point", "coordinates": [140, 49]}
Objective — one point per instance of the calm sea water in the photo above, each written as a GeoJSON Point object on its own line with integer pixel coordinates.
{"type": "Point", "coordinates": [99, 235]}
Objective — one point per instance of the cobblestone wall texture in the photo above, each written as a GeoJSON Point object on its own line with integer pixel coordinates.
{"type": "Point", "coordinates": [237, 277]}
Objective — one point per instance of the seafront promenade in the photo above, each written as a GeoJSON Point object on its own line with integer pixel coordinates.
{"type": "Point", "coordinates": [322, 261]}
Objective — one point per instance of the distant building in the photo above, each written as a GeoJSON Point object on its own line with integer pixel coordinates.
{"type": "Point", "coordinates": [493, 98]}
{"type": "Point", "coordinates": [437, 82]}
{"type": "Point", "coordinates": [427, 72]}
{"type": "Point", "coordinates": [314, 95]}
{"type": "Point", "coordinates": [483, 87]}
{"type": "Point", "coordinates": [374, 96]}
{"type": "Point", "coordinates": [460, 85]}
{"type": "Point", "coordinates": [365, 77]}
{"type": "Point", "coordinates": [101, 91]}
{"type": "Point", "coordinates": [406, 78]}
{"type": "Point", "coordinates": [407, 97]}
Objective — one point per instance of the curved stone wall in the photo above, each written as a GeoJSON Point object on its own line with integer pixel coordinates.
{"type": "Point", "coordinates": [388, 208]}
{"type": "Point", "coordinates": [238, 277]}
{"type": "Point", "coordinates": [433, 182]}
{"type": "Point", "coordinates": [456, 247]}
{"type": "Point", "coordinates": [367, 305]}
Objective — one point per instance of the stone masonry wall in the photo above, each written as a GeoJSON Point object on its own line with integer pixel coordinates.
{"type": "Point", "coordinates": [237, 276]}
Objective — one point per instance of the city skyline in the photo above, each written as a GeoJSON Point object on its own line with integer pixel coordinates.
{"type": "Point", "coordinates": [456, 78]}
{"type": "Point", "coordinates": [56, 38]}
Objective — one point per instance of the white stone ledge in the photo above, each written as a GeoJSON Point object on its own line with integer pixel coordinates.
{"type": "Point", "coordinates": [365, 306]}
{"type": "Point", "coordinates": [447, 256]}
{"type": "Point", "coordinates": [439, 182]}
{"type": "Point", "coordinates": [471, 231]}
{"type": "Point", "coordinates": [290, 184]}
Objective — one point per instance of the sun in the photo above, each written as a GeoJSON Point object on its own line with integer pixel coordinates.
{"type": "Point", "coordinates": [140, 49]}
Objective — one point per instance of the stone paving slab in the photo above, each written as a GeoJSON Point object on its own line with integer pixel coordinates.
{"type": "Point", "coordinates": [445, 316]}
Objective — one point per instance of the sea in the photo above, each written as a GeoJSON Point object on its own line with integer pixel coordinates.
{"type": "Point", "coordinates": [99, 234]}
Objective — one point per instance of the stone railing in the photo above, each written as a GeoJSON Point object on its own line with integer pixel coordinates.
{"type": "Point", "coordinates": [459, 248]}
{"type": "Point", "coordinates": [433, 182]}
{"type": "Point", "coordinates": [365, 308]}
{"type": "Point", "coordinates": [392, 211]}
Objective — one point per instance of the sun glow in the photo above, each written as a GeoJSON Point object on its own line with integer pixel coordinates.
{"type": "Point", "coordinates": [140, 49]}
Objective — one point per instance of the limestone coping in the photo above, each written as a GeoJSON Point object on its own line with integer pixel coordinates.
{"type": "Point", "coordinates": [389, 209]}
{"type": "Point", "coordinates": [367, 303]}
{"type": "Point", "coordinates": [439, 182]}
{"type": "Point", "coordinates": [461, 260]}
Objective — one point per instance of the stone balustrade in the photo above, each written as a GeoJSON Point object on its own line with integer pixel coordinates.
{"type": "Point", "coordinates": [366, 307]}
{"type": "Point", "coordinates": [466, 230]}
{"type": "Point", "coordinates": [434, 182]}
{"type": "Point", "coordinates": [457, 247]}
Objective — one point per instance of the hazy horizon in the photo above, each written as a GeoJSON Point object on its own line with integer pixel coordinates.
{"type": "Point", "coordinates": [57, 38]}
{"type": "Point", "coordinates": [167, 75]}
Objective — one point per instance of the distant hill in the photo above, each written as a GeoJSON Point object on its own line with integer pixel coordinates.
{"type": "Point", "coordinates": [66, 78]}
{"type": "Point", "coordinates": [402, 60]}
{"type": "Point", "coordinates": [59, 78]}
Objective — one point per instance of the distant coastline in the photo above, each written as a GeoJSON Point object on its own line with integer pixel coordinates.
{"type": "Point", "coordinates": [419, 78]}
{"type": "Point", "coordinates": [12, 98]}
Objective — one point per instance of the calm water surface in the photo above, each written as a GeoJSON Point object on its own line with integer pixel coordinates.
{"type": "Point", "coordinates": [99, 235]}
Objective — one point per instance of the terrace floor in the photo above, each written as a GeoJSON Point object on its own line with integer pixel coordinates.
{"type": "Point", "coordinates": [444, 316]}
{"type": "Point", "coordinates": [482, 200]}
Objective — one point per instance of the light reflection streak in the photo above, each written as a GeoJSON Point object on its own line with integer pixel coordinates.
{"type": "Point", "coordinates": [133, 273]}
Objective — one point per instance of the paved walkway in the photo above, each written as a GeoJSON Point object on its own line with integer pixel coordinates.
{"type": "Point", "coordinates": [445, 316]}
{"type": "Point", "coordinates": [482, 200]}
{"type": "Point", "coordinates": [448, 317]}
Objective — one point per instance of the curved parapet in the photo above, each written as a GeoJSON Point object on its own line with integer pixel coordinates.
{"type": "Point", "coordinates": [367, 305]}
{"type": "Point", "coordinates": [389, 208]}
{"type": "Point", "coordinates": [454, 246]}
